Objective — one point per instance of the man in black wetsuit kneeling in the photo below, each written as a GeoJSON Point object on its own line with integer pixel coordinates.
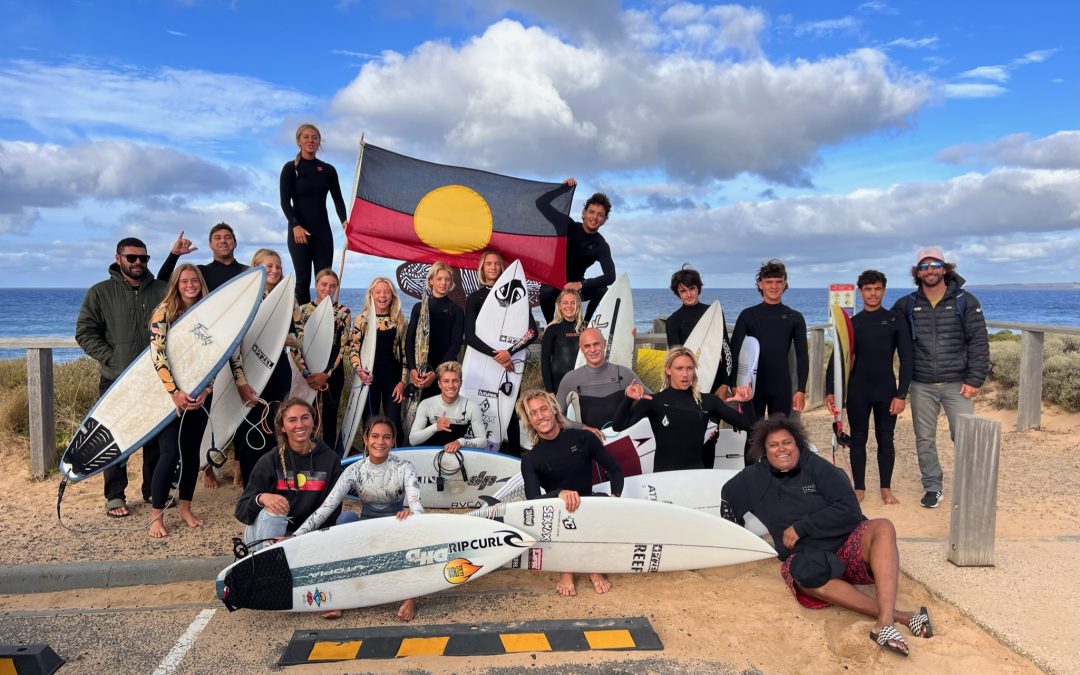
{"type": "Point", "coordinates": [560, 465]}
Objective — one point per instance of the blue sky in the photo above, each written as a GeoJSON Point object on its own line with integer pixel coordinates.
{"type": "Point", "coordinates": [836, 136]}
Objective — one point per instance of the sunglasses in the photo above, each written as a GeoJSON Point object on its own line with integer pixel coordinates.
{"type": "Point", "coordinates": [132, 258]}
{"type": "Point", "coordinates": [936, 265]}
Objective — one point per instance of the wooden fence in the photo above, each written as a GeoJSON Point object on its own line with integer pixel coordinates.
{"type": "Point", "coordinates": [39, 373]}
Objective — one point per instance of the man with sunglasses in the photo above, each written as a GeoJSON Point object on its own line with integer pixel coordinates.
{"type": "Point", "coordinates": [951, 357]}
{"type": "Point", "coordinates": [113, 329]}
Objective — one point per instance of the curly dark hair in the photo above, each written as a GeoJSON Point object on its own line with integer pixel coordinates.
{"type": "Point", "coordinates": [600, 199]}
{"type": "Point", "coordinates": [950, 272]}
{"type": "Point", "coordinates": [871, 277]}
{"type": "Point", "coordinates": [768, 425]}
{"type": "Point", "coordinates": [773, 269]}
{"type": "Point", "coordinates": [685, 276]}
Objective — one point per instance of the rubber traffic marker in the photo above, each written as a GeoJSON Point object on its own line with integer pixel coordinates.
{"type": "Point", "coordinates": [28, 660]}
{"type": "Point", "coordinates": [470, 639]}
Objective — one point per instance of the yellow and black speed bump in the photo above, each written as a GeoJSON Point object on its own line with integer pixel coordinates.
{"type": "Point", "coordinates": [28, 660]}
{"type": "Point", "coordinates": [470, 639]}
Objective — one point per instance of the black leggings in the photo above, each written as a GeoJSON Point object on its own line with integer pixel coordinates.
{"type": "Point", "coordinates": [317, 254]}
{"type": "Point", "coordinates": [250, 441]}
{"type": "Point", "coordinates": [382, 392]}
{"type": "Point", "coordinates": [179, 443]}
{"type": "Point", "coordinates": [329, 402]}
{"type": "Point", "coordinates": [859, 410]}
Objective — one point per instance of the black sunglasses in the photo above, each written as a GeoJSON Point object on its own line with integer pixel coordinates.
{"type": "Point", "coordinates": [936, 265]}
{"type": "Point", "coordinates": [132, 257]}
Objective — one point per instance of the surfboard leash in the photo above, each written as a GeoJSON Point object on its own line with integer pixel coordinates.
{"type": "Point", "coordinates": [440, 482]}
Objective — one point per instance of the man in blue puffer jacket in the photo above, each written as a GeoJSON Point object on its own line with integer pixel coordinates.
{"type": "Point", "coordinates": [952, 357]}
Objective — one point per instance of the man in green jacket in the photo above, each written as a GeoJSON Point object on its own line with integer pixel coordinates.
{"type": "Point", "coordinates": [113, 329]}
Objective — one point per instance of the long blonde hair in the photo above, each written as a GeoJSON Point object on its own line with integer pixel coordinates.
{"type": "Point", "coordinates": [480, 265]}
{"type": "Point", "coordinates": [579, 320]}
{"type": "Point", "coordinates": [174, 304]}
{"type": "Point", "coordinates": [522, 408]}
{"type": "Point", "coordinates": [674, 353]}
{"type": "Point", "coordinates": [299, 130]}
{"type": "Point", "coordinates": [396, 315]}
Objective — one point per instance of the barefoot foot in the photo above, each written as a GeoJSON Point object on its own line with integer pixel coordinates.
{"type": "Point", "coordinates": [332, 614]}
{"type": "Point", "coordinates": [860, 495]}
{"type": "Point", "coordinates": [565, 585]}
{"type": "Point", "coordinates": [600, 583]}
{"type": "Point", "coordinates": [887, 496]}
{"type": "Point", "coordinates": [157, 527]}
{"type": "Point", "coordinates": [407, 611]}
{"type": "Point", "coordinates": [209, 480]}
{"type": "Point", "coordinates": [187, 516]}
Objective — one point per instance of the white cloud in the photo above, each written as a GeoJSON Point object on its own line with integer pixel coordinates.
{"type": "Point", "coordinates": [712, 30]}
{"type": "Point", "coordinates": [1057, 151]}
{"type": "Point", "coordinates": [176, 33]}
{"type": "Point", "coordinates": [879, 7]}
{"type": "Point", "coordinates": [828, 26]}
{"type": "Point", "coordinates": [914, 43]}
{"type": "Point", "coordinates": [521, 100]}
{"type": "Point", "coordinates": [1034, 57]}
{"type": "Point", "coordinates": [1018, 206]}
{"type": "Point", "coordinates": [349, 52]}
{"type": "Point", "coordinates": [995, 73]}
{"type": "Point", "coordinates": [81, 97]}
{"type": "Point", "coordinates": [971, 90]}
{"type": "Point", "coordinates": [46, 175]}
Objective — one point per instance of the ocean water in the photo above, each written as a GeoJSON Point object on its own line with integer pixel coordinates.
{"type": "Point", "coordinates": [52, 312]}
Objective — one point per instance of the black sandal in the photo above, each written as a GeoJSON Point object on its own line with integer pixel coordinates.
{"type": "Point", "coordinates": [887, 636]}
{"type": "Point", "coordinates": [116, 505]}
{"type": "Point", "coordinates": [920, 625]}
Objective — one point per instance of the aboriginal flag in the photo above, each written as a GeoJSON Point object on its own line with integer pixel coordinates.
{"type": "Point", "coordinates": [416, 211]}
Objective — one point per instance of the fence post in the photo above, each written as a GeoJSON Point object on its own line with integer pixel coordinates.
{"type": "Point", "coordinates": [1029, 407]}
{"type": "Point", "coordinates": [974, 502]}
{"type": "Point", "coordinates": [815, 384]}
{"type": "Point", "coordinates": [39, 378]}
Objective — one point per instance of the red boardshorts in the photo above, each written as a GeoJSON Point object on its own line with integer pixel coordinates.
{"type": "Point", "coordinates": [855, 570]}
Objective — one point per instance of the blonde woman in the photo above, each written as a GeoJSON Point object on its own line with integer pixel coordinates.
{"type": "Point", "coordinates": [447, 325]}
{"type": "Point", "coordinates": [305, 182]}
{"type": "Point", "coordinates": [180, 440]}
{"type": "Point", "coordinates": [559, 348]}
{"type": "Point", "coordinates": [387, 374]}
{"type": "Point", "coordinates": [680, 413]}
{"type": "Point", "coordinates": [331, 381]}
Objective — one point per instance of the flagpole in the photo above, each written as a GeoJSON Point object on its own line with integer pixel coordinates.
{"type": "Point", "coordinates": [356, 186]}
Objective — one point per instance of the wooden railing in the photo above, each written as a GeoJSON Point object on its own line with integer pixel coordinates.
{"type": "Point", "coordinates": [39, 376]}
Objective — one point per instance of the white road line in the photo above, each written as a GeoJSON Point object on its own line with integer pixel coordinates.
{"type": "Point", "coordinates": [169, 664]}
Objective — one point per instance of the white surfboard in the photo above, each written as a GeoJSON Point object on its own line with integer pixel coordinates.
{"type": "Point", "coordinates": [697, 489]}
{"type": "Point", "coordinates": [370, 562]}
{"type": "Point", "coordinates": [485, 472]}
{"type": "Point", "coordinates": [136, 407]}
{"type": "Point", "coordinates": [633, 448]}
{"type": "Point", "coordinates": [615, 319]}
{"type": "Point", "coordinates": [708, 344]}
{"type": "Point", "coordinates": [358, 391]}
{"type": "Point", "coordinates": [613, 535]}
{"type": "Point", "coordinates": [260, 350]}
{"type": "Point", "coordinates": [318, 345]}
{"type": "Point", "coordinates": [749, 353]}
{"type": "Point", "coordinates": [729, 449]}
{"type": "Point", "coordinates": [503, 323]}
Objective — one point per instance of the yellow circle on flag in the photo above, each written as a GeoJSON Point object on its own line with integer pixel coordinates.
{"type": "Point", "coordinates": [453, 219]}
{"type": "Point", "coordinates": [300, 480]}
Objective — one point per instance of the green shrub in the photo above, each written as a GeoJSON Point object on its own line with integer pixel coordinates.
{"type": "Point", "coordinates": [1061, 371]}
{"type": "Point", "coordinates": [1004, 336]}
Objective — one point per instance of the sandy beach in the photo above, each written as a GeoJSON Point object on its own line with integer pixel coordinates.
{"type": "Point", "coordinates": [1020, 616]}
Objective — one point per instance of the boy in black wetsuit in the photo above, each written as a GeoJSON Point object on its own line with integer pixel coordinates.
{"type": "Point", "coordinates": [777, 327]}
{"type": "Point", "coordinates": [686, 285]}
{"type": "Point", "coordinates": [879, 335]}
{"type": "Point", "coordinates": [560, 465]}
{"type": "Point", "coordinates": [584, 246]}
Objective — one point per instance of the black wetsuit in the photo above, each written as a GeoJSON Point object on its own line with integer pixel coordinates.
{"type": "Point", "coordinates": [879, 335]}
{"type": "Point", "coordinates": [679, 423]}
{"type": "Point", "coordinates": [566, 463]}
{"type": "Point", "coordinates": [385, 376]}
{"type": "Point", "coordinates": [558, 353]}
{"type": "Point", "coordinates": [777, 328]}
{"type": "Point", "coordinates": [582, 251]}
{"type": "Point", "coordinates": [446, 321]}
{"type": "Point", "coordinates": [214, 272]}
{"type": "Point", "coordinates": [679, 326]}
{"type": "Point", "coordinates": [304, 186]}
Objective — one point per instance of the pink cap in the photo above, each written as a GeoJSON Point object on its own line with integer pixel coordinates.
{"type": "Point", "coordinates": [930, 252]}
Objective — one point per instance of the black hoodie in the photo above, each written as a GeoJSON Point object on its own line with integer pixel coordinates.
{"type": "Point", "coordinates": [318, 471]}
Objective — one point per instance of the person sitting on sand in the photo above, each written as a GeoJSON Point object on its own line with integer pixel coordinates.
{"type": "Point", "coordinates": [560, 465]}
{"type": "Point", "coordinates": [386, 484]}
{"type": "Point", "coordinates": [825, 542]}
{"type": "Point", "coordinates": [285, 487]}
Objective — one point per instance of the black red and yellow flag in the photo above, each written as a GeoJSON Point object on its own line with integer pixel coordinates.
{"type": "Point", "coordinates": [417, 211]}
